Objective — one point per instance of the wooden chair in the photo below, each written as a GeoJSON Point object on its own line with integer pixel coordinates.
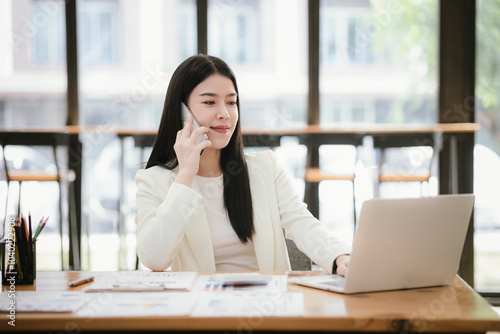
{"type": "Point", "coordinates": [412, 160]}
{"type": "Point", "coordinates": [330, 156]}
{"type": "Point", "coordinates": [298, 260]}
{"type": "Point", "coordinates": [21, 175]}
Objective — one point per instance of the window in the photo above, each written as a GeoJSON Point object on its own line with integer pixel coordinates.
{"type": "Point", "coordinates": [186, 32]}
{"type": "Point", "coordinates": [234, 30]}
{"type": "Point", "coordinates": [47, 27]}
{"type": "Point", "coordinates": [371, 51]}
{"type": "Point", "coordinates": [33, 88]}
{"type": "Point", "coordinates": [487, 148]}
{"type": "Point", "coordinates": [100, 27]}
{"type": "Point", "coordinates": [128, 51]}
{"type": "Point", "coordinates": [345, 35]}
{"type": "Point", "coordinates": [377, 65]}
{"type": "Point", "coordinates": [265, 43]}
{"type": "Point", "coordinates": [33, 58]}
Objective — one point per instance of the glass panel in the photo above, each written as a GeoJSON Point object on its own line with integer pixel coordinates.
{"type": "Point", "coordinates": [32, 63]}
{"type": "Point", "coordinates": [265, 43]}
{"type": "Point", "coordinates": [377, 65]}
{"type": "Point", "coordinates": [33, 88]}
{"type": "Point", "coordinates": [128, 51]}
{"type": "Point", "coordinates": [49, 41]}
{"type": "Point", "coordinates": [383, 53]}
{"type": "Point", "coordinates": [487, 148]}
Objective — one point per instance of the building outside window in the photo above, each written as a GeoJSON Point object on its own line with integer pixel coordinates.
{"type": "Point", "coordinates": [265, 43]}
{"type": "Point", "coordinates": [234, 33]}
{"type": "Point", "coordinates": [99, 31]}
{"type": "Point", "coordinates": [49, 41]}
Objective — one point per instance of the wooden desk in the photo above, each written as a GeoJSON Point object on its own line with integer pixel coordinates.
{"type": "Point", "coordinates": [456, 308]}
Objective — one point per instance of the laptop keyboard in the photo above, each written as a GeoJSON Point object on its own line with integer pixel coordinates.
{"type": "Point", "coordinates": [339, 283]}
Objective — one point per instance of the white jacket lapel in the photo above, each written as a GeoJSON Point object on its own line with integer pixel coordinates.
{"type": "Point", "coordinates": [263, 238]}
{"type": "Point", "coordinates": [198, 236]}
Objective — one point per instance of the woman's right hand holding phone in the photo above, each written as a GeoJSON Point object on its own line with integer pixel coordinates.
{"type": "Point", "coordinates": [188, 151]}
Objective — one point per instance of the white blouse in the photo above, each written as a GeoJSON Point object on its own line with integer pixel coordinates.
{"type": "Point", "coordinates": [229, 252]}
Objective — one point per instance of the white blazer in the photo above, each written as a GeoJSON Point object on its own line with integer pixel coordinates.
{"type": "Point", "coordinates": [173, 231]}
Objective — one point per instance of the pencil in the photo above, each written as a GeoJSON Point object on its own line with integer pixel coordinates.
{"type": "Point", "coordinates": [24, 249]}
{"type": "Point", "coordinates": [29, 226]}
{"type": "Point", "coordinates": [3, 263]}
{"type": "Point", "coordinates": [41, 225]}
{"type": "Point", "coordinates": [16, 249]}
{"type": "Point", "coordinates": [24, 225]}
{"type": "Point", "coordinates": [30, 246]}
{"type": "Point", "coordinates": [38, 228]}
{"type": "Point", "coordinates": [44, 223]}
{"type": "Point", "coordinates": [81, 281]}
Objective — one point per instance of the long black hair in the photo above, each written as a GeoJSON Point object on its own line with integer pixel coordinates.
{"type": "Point", "coordinates": [237, 194]}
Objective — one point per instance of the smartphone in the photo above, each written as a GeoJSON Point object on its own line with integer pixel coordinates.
{"type": "Point", "coordinates": [185, 113]}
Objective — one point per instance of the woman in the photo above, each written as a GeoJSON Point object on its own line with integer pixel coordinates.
{"type": "Point", "coordinates": [208, 206]}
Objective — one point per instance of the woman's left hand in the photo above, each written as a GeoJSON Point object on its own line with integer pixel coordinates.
{"type": "Point", "coordinates": [342, 262]}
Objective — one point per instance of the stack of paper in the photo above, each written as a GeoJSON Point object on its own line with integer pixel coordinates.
{"type": "Point", "coordinates": [175, 294]}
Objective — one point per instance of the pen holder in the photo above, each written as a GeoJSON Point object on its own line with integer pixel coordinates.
{"type": "Point", "coordinates": [18, 264]}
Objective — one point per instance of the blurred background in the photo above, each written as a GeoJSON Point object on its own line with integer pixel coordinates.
{"type": "Point", "coordinates": [378, 64]}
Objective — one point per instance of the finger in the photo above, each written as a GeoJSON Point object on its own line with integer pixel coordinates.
{"type": "Point", "coordinates": [203, 145]}
{"type": "Point", "coordinates": [342, 269]}
{"type": "Point", "coordinates": [179, 135]}
{"type": "Point", "coordinates": [199, 131]}
{"type": "Point", "coordinates": [185, 131]}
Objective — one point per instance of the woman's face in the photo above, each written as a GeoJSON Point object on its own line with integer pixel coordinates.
{"type": "Point", "coordinates": [213, 102]}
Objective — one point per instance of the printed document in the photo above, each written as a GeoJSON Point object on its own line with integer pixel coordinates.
{"type": "Point", "coordinates": [126, 304]}
{"type": "Point", "coordinates": [244, 304]}
{"type": "Point", "coordinates": [144, 281]}
{"type": "Point", "coordinates": [43, 301]}
{"type": "Point", "coordinates": [212, 283]}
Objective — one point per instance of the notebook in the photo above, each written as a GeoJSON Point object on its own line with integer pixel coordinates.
{"type": "Point", "coordinates": [403, 243]}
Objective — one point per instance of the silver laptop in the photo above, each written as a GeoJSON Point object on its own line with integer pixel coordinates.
{"type": "Point", "coordinates": [403, 243]}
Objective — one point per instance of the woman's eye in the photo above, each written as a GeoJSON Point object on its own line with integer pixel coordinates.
{"type": "Point", "coordinates": [209, 102]}
{"type": "Point", "coordinates": [233, 103]}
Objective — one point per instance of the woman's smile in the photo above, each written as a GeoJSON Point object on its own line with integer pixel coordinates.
{"type": "Point", "coordinates": [222, 129]}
